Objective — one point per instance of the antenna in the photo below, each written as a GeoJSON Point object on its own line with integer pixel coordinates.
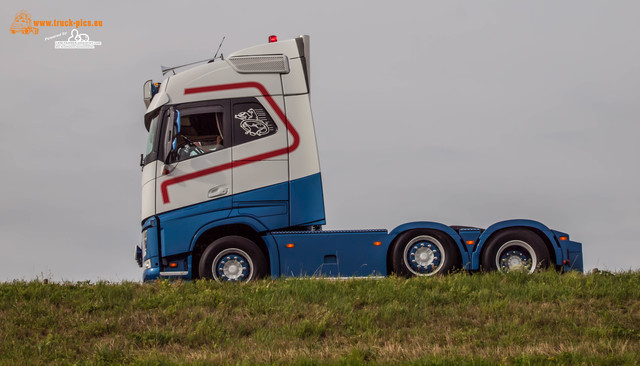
{"type": "Point", "coordinates": [218, 50]}
{"type": "Point", "coordinates": [166, 69]}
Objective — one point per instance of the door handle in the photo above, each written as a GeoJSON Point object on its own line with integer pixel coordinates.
{"type": "Point", "coordinates": [217, 191]}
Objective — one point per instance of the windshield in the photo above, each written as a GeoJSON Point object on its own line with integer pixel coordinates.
{"type": "Point", "coordinates": [153, 128]}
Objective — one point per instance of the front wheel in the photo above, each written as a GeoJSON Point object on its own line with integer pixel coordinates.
{"type": "Point", "coordinates": [424, 253]}
{"type": "Point", "coordinates": [515, 250]}
{"type": "Point", "coordinates": [233, 258]}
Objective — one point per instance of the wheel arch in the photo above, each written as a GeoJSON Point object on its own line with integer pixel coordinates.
{"type": "Point", "coordinates": [425, 225]}
{"type": "Point", "coordinates": [245, 227]}
{"type": "Point", "coordinates": [536, 227]}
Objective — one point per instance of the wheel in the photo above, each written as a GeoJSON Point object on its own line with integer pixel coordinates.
{"type": "Point", "coordinates": [515, 250]}
{"type": "Point", "coordinates": [424, 253]}
{"type": "Point", "coordinates": [233, 258]}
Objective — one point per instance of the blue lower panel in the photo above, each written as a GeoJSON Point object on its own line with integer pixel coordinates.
{"type": "Point", "coordinates": [178, 227]}
{"type": "Point", "coordinates": [332, 253]}
{"type": "Point", "coordinates": [267, 205]}
{"type": "Point", "coordinates": [307, 202]}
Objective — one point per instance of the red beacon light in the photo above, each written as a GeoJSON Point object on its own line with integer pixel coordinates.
{"type": "Point", "coordinates": [273, 39]}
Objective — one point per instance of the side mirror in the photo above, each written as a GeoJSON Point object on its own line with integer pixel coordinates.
{"type": "Point", "coordinates": [146, 93]}
{"type": "Point", "coordinates": [149, 89]}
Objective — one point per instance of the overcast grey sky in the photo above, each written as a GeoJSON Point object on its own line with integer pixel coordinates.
{"type": "Point", "coordinates": [462, 112]}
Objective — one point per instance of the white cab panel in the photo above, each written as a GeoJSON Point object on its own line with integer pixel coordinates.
{"type": "Point", "coordinates": [303, 160]}
{"type": "Point", "coordinates": [148, 190]}
{"type": "Point", "coordinates": [259, 174]}
{"type": "Point", "coordinates": [268, 144]}
{"type": "Point", "coordinates": [190, 181]}
{"type": "Point", "coordinates": [182, 86]}
{"type": "Point", "coordinates": [149, 172]}
{"type": "Point", "coordinates": [263, 162]}
{"type": "Point", "coordinates": [294, 82]}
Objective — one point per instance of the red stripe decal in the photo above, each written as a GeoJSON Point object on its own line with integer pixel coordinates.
{"type": "Point", "coordinates": [200, 173]}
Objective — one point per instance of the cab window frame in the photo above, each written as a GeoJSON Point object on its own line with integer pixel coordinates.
{"type": "Point", "coordinates": [187, 109]}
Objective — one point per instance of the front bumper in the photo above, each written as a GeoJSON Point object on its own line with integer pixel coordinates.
{"type": "Point", "coordinates": [150, 274]}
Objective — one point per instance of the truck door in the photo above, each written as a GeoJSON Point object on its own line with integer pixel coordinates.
{"type": "Point", "coordinates": [197, 145]}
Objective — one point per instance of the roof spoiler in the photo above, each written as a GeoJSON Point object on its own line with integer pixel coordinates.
{"type": "Point", "coordinates": [303, 49]}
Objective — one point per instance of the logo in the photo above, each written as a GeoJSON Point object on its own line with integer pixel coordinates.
{"type": "Point", "coordinates": [77, 41]}
{"type": "Point", "coordinates": [251, 124]}
{"type": "Point", "coordinates": [22, 24]}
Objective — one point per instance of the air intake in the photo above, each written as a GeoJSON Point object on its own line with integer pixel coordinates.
{"type": "Point", "coordinates": [260, 64]}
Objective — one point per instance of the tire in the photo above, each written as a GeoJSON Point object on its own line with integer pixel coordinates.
{"type": "Point", "coordinates": [515, 250]}
{"type": "Point", "coordinates": [233, 258]}
{"type": "Point", "coordinates": [424, 253]}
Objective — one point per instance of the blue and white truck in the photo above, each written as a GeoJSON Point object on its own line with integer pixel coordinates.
{"type": "Point", "coordinates": [232, 191]}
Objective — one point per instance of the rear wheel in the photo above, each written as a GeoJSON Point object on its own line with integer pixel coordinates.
{"type": "Point", "coordinates": [515, 250]}
{"type": "Point", "coordinates": [424, 253]}
{"type": "Point", "coordinates": [233, 258]}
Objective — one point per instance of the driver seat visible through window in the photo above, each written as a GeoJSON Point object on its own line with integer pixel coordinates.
{"type": "Point", "coordinates": [200, 133]}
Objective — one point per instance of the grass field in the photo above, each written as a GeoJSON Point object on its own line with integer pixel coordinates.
{"type": "Point", "coordinates": [483, 319]}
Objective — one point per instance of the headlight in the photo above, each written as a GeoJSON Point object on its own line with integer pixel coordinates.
{"type": "Point", "coordinates": [144, 244]}
{"type": "Point", "coordinates": [147, 264]}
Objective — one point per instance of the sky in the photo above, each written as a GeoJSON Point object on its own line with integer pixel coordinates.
{"type": "Point", "coordinates": [460, 112]}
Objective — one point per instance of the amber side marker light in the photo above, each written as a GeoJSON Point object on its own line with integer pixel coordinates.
{"type": "Point", "coordinates": [470, 242]}
{"type": "Point", "coordinates": [290, 245]}
{"type": "Point", "coordinates": [563, 238]}
{"type": "Point", "coordinates": [377, 243]}
{"type": "Point", "coordinates": [173, 265]}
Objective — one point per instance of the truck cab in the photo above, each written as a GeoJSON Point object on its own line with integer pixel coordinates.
{"type": "Point", "coordinates": [232, 190]}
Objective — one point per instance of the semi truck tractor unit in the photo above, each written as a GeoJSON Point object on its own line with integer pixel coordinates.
{"type": "Point", "coordinates": [232, 188]}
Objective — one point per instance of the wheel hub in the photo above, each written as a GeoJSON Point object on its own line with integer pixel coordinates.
{"type": "Point", "coordinates": [423, 256]}
{"type": "Point", "coordinates": [232, 268]}
{"type": "Point", "coordinates": [515, 260]}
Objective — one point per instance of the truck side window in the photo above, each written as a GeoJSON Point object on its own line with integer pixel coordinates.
{"type": "Point", "coordinates": [251, 122]}
{"type": "Point", "coordinates": [201, 132]}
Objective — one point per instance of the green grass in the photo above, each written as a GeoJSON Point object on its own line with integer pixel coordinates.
{"type": "Point", "coordinates": [484, 319]}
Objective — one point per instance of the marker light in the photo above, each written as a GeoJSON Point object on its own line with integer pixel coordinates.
{"type": "Point", "coordinates": [173, 265]}
{"type": "Point", "coordinates": [563, 238]}
{"type": "Point", "coordinates": [470, 242]}
{"type": "Point", "coordinates": [273, 39]}
{"type": "Point", "coordinates": [377, 243]}
{"type": "Point", "coordinates": [290, 245]}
